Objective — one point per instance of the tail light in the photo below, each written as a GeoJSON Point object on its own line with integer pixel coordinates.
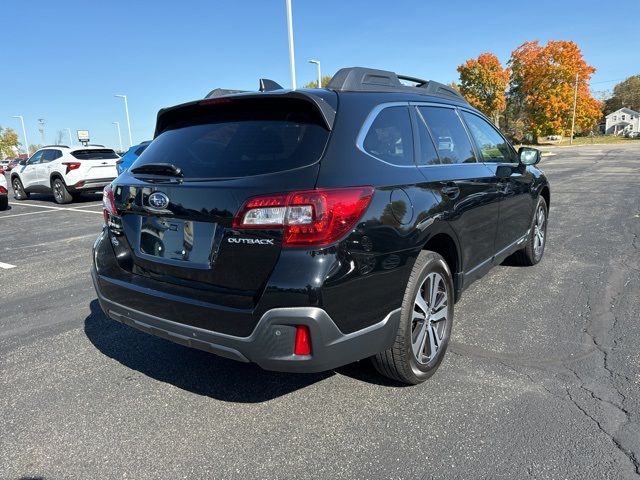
{"type": "Point", "coordinates": [108, 204]}
{"type": "Point", "coordinates": [308, 218]}
{"type": "Point", "coordinates": [71, 165]}
{"type": "Point", "coordinates": [3, 190]}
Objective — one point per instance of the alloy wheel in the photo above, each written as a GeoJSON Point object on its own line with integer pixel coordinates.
{"type": "Point", "coordinates": [57, 191]}
{"type": "Point", "coordinates": [17, 188]}
{"type": "Point", "coordinates": [430, 315]}
{"type": "Point", "coordinates": [539, 232]}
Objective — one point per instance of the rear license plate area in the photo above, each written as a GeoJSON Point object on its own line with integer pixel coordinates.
{"type": "Point", "coordinates": [177, 242]}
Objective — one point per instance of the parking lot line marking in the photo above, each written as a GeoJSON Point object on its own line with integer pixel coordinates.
{"type": "Point", "coordinates": [85, 211]}
{"type": "Point", "coordinates": [68, 209]}
{"type": "Point", "coordinates": [39, 206]}
{"type": "Point", "coordinates": [89, 205]}
{"type": "Point", "coordinates": [6, 266]}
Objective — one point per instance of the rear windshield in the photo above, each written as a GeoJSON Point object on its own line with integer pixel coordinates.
{"type": "Point", "coordinates": [240, 140]}
{"type": "Point", "coordinates": [95, 154]}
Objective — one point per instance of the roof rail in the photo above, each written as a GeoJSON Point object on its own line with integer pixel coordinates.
{"type": "Point", "coordinates": [58, 145]}
{"type": "Point", "coordinates": [94, 145]}
{"type": "Point", "coordinates": [360, 79]}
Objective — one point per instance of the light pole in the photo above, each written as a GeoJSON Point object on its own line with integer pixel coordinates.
{"type": "Point", "coordinates": [117, 124]}
{"type": "Point", "coordinates": [24, 134]}
{"type": "Point", "coordinates": [126, 111]}
{"type": "Point", "coordinates": [317, 62]}
{"type": "Point", "coordinates": [70, 137]}
{"type": "Point", "coordinates": [292, 60]}
{"type": "Point", "coordinates": [42, 122]}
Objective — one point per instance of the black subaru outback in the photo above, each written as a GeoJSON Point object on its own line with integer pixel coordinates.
{"type": "Point", "coordinates": [304, 230]}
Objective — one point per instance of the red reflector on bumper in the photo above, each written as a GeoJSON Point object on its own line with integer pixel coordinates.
{"type": "Point", "coordinates": [302, 345]}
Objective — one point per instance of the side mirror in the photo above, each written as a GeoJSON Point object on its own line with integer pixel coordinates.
{"type": "Point", "coordinates": [23, 162]}
{"type": "Point", "coordinates": [529, 156]}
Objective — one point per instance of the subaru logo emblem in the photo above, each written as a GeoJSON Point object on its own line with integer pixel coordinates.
{"type": "Point", "coordinates": [158, 201]}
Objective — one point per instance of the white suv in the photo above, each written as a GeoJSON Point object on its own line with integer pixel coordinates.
{"type": "Point", "coordinates": [65, 172]}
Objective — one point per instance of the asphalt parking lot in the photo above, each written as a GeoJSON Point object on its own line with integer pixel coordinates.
{"type": "Point", "coordinates": [542, 379]}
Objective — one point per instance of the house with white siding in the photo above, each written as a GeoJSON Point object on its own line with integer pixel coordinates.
{"type": "Point", "coordinates": [622, 121]}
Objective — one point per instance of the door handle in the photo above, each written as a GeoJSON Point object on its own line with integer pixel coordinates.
{"type": "Point", "coordinates": [451, 190]}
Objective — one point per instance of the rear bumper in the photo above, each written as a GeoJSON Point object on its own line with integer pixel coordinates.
{"type": "Point", "coordinates": [270, 345]}
{"type": "Point", "coordinates": [91, 185]}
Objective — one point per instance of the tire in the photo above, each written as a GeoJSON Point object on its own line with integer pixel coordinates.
{"type": "Point", "coordinates": [417, 333]}
{"type": "Point", "coordinates": [4, 202]}
{"type": "Point", "coordinates": [60, 193]}
{"type": "Point", "coordinates": [533, 251]}
{"type": "Point", "coordinates": [18, 190]}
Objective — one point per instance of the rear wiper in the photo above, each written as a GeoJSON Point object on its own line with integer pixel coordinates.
{"type": "Point", "coordinates": [159, 169]}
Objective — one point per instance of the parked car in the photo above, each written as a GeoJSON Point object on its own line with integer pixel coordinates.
{"type": "Point", "coordinates": [304, 230]}
{"type": "Point", "coordinates": [554, 138]}
{"type": "Point", "coordinates": [632, 135]}
{"type": "Point", "coordinates": [65, 172]}
{"type": "Point", "coordinates": [130, 156]}
{"type": "Point", "coordinates": [12, 164]}
{"type": "Point", "coordinates": [4, 198]}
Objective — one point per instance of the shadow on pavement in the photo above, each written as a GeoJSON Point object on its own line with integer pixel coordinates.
{"type": "Point", "coordinates": [80, 199]}
{"type": "Point", "coordinates": [190, 369]}
{"type": "Point", "coordinates": [204, 373]}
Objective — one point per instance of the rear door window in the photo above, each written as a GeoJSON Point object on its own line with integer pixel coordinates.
{"type": "Point", "coordinates": [389, 138]}
{"type": "Point", "coordinates": [50, 155]}
{"type": "Point", "coordinates": [95, 154]}
{"type": "Point", "coordinates": [239, 140]}
{"type": "Point", "coordinates": [449, 135]}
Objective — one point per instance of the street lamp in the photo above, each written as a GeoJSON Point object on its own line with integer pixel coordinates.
{"type": "Point", "coordinates": [317, 62]}
{"type": "Point", "coordinates": [117, 124]}
{"type": "Point", "coordinates": [292, 60]}
{"type": "Point", "coordinates": [24, 134]}
{"type": "Point", "coordinates": [70, 137]}
{"type": "Point", "coordinates": [126, 111]}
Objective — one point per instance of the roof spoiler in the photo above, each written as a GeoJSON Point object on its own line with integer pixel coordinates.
{"type": "Point", "coordinates": [167, 116]}
{"type": "Point", "coordinates": [360, 79]}
{"type": "Point", "coordinates": [266, 85]}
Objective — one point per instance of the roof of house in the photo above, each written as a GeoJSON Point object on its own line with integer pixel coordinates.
{"type": "Point", "coordinates": [624, 110]}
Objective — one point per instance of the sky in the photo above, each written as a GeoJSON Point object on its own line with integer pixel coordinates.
{"type": "Point", "coordinates": [65, 60]}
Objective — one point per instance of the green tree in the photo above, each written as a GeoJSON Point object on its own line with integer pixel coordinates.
{"type": "Point", "coordinates": [625, 94]}
{"type": "Point", "coordinates": [8, 142]}
{"type": "Point", "coordinates": [325, 81]}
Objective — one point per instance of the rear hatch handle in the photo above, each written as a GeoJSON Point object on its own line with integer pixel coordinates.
{"type": "Point", "coordinates": [168, 169]}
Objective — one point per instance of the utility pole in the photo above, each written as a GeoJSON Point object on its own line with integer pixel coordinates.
{"type": "Point", "coordinates": [41, 123]}
{"type": "Point", "coordinates": [292, 60]}
{"type": "Point", "coordinates": [575, 102]}
{"type": "Point", "coordinates": [24, 134]}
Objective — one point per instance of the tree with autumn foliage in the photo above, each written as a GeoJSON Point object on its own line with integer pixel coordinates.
{"type": "Point", "coordinates": [483, 82]}
{"type": "Point", "coordinates": [543, 80]}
